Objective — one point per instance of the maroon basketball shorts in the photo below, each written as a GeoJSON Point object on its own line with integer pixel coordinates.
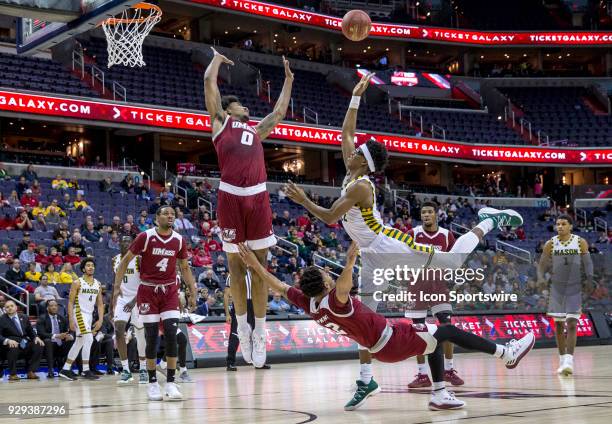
{"type": "Point", "coordinates": [157, 302]}
{"type": "Point", "coordinates": [245, 215]}
{"type": "Point", "coordinates": [406, 341]}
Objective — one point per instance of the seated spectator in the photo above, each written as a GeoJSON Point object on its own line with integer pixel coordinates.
{"type": "Point", "coordinates": [6, 257]}
{"type": "Point", "coordinates": [303, 220]}
{"type": "Point", "coordinates": [204, 309]}
{"type": "Point", "coordinates": [144, 214]}
{"type": "Point", "coordinates": [142, 224]}
{"type": "Point", "coordinates": [29, 199]}
{"type": "Point", "coordinates": [71, 257]}
{"type": "Point", "coordinates": [142, 191]}
{"type": "Point", "coordinates": [20, 339]}
{"type": "Point", "coordinates": [182, 224]}
{"type": "Point", "coordinates": [14, 274]}
{"type": "Point", "coordinates": [66, 204]}
{"type": "Point", "coordinates": [179, 203]}
{"type": "Point", "coordinates": [39, 208]}
{"type": "Point", "coordinates": [106, 185]}
{"type": "Point", "coordinates": [32, 274]}
{"type": "Point", "coordinates": [212, 245]}
{"type": "Point", "coordinates": [21, 186]}
{"type": "Point", "coordinates": [101, 226]}
{"type": "Point", "coordinates": [23, 244]}
{"type": "Point", "coordinates": [77, 245]}
{"type": "Point", "coordinates": [29, 174]}
{"type": "Point", "coordinates": [13, 200]}
{"type": "Point", "coordinates": [53, 329]}
{"type": "Point", "coordinates": [127, 184]}
{"type": "Point", "coordinates": [81, 205]}
{"type": "Point", "coordinates": [114, 242]}
{"type": "Point", "coordinates": [128, 231]}
{"type": "Point", "coordinates": [73, 184]}
{"type": "Point", "coordinates": [7, 223]}
{"type": "Point", "coordinates": [39, 224]}
{"type": "Point", "coordinates": [603, 237]}
{"type": "Point", "coordinates": [54, 257]}
{"type": "Point", "coordinates": [220, 269]}
{"type": "Point", "coordinates": [59, 183]}
{"type": "Point", "coordinates": [67, 274]}
{"type": "Point", "coordinates": [330, 240]}
{"type": "Point", "coordinates": [60, 245]}
{"type": "Point", "coordinates": [116, 225]}
{"type": "Point", "coordinates": [54, 208]}
{"type": "Point", "coordinates": [277, 304]}
{"type": "Point", "coordinates": [209, 280]}
{"type": "Point", "coordinates": [28, 255]}
{"type": "Point", "coordinates": [41, 255]}
{"type": "Point", "coordinates": [4, 202]}
{"type": "Point", "coordinates": [201, 258]}
{"type": "Point", "coordinates": [36, 189]}
{"type": "Point", "coordinates": [90, 234]}
{"type": "Point", "coordinates": [153, 207]}
{"type": "Point", "coordinates": [45, 292]}
{"type": "Point", "coordinates": [52, 275]}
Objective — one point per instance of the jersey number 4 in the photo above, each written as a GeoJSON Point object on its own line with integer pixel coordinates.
{"type": "Point", "coordinates": [247, 138]}
{"type": "Point", "coordinates": [335, 328]}
{"type": "Point", "coordinates": [162, 265]}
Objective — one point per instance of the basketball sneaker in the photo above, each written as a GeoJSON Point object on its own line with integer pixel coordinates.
{"type": "Point", "coordinates": [421, 380]}
{"type": "Point", "coordinates": [259, 348]}
{"type": "Point", "coordinates": [517, 349]}
{"type": "Point", "coordinates": [246, 343]}
{"type": "Point", "coordinates": [442, 400]}
{"type": "Point", "coordinates": [68, 375]}
{"type": "Point", "coordinates": [363, 392]}
{"type": "Point", "coordinates": [89, 375]}
{"type": "Point", "coordinates": [154, 392]}
{"type": "Point", "coordinates": [501, 218]}
{"type": "Point", "coordinates": [184, 377]}
{"type": "Point", "coordinates": [451, 376]}
{"type": "Point", "coordinates": [567, 368]}
{"type": "Point", "coordinates": [126, 377]}
{"type": "Point", "coordinates": [143, 377]}
{"type": "Point", "coordinates": [172, 392]}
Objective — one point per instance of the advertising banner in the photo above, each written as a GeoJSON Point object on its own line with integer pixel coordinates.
{"type": "Point", "coordinates": [160, 117]}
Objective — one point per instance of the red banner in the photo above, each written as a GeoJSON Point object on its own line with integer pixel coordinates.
{"type": "Point", "coordinates": [418, 33]}
{"type": "Point", "coordinates": [306, 336]}
{"type": "Point", "coordinates": [160, 117]}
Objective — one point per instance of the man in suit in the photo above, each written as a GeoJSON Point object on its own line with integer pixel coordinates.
{"type": "Point", "coordinates": [53, 329]}
{"type": "Point", "coordinates": [18, 335]}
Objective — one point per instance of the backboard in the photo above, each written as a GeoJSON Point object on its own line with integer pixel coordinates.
{"type": "Point", "coordinates": [36, 34]}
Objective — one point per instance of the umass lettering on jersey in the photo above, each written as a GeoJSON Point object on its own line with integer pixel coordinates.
{"type": "Point", "coordinates": [158, 255]}
{"type": "Point", "coordinates": [163, 252]}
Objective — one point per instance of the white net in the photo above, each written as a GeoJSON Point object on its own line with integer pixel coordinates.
{"type": "Point", "coordinates": [125, 34]}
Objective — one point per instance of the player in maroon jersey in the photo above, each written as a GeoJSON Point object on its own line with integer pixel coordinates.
{"type": "Point", "coordinates": [329, 303]}
{"type": "Point", "coordinates": [160, 249]}
{"type": "Point", "coordinates": [442, 240]}
{"type": "Point", "coordinates": [243, 205]}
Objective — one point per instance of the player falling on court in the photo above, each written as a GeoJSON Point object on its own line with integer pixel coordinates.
{"type": "Point", "coordinates": [442, 240]}
{"type": "Point", "coordinates": [124, 297]}
{"type": "Point", "coordinates": [568, 255]}
{"type": "Point", "coordinates": [243, 202]}
{"type": "Point", "coordinates": [85, 295]}
{"type": "Point", "coordinates": [160, 249]}
{"type": "Point", "coordinates": [362, 221]}
{"type": "Point", "coordinates": [329, 303]}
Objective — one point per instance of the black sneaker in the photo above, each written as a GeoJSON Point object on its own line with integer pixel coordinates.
{"type": "Point", "coordinates": [68, 375]}
{"type": "Point", "coordinates": [231, 367]}
{"type": "Point", "coordinates": [96, 372]}
{"type": "Point", "coordinates": [110, 371]}
{"type": "Point", "coordinates": [50, 375]}
{"type": "Point", "coordinates": [89, 375]}
{"type": "Point", "coordinates": [263, 367]}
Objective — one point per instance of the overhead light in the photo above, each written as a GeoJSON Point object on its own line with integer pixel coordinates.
{"type": "Point", "coordinates": [387, 49]}
{"type": "Point", "coordinates": [141, 172]}
{"type": "Point", "coordinates": [10, 123]}
{"type": "Point", "coordinates": [499, 117]}
{"type": "Point", "coordinates": [254, 31]}
{"type": "Point", "coordinates": [426, 163]}
{"type": "Point", "coordinates": [339, 49]}
{"type": "Point", "coordinates": [560, 56]}
{"type": "Point", "coordinates": [358, 65]}
{"type": "Point", "coordinates": [179, 30]}
{"type": "Point", "coordinates": [414, 55]}
{"type": "Point", "coordinates": [226, 32]}
{"type": "Point", "coordinates": [180, 142]}
{"type": "Point", "coordinates": [408, 161]}
{"type": "Point", "coordinates": [293, 38]}
{"type": "Point", "coordinates": [547, 54]}
{"type": "Point", "coordinates": [418, 3]}
{"type": "Point", "coordinates": [197, 141]}
{"type": "Point", "coordinates": [364, 50]}
{"type": "Point", "coordinates": [428, 13]}
{"type": "Point", "coordinates": [22, 128]}
{"type": "Point", "coordinates": [276, 35]}
{"type": "Point", "coordinates": [524, 54]}
{"type": "Point", "coordinates": [482, 56]}
{"type": "Point", "coordinates": [237, 27]}
{"type": "Point", "coordinates": [568, 55]}
{"type": "Point", "coordinates": [294, 42]}
{"type": "Point", "coordinates": [369, 47]}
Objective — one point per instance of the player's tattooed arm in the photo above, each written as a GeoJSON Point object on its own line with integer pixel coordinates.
{"type": "Point", "coordinates": [211, 90]}
{"type": "Point", "coordinates": [354, 195]}
{"type": "Point", "coordinates": [344, 283]}
{"type": "Point", "coordinates": [349, 125]}
{"type": "Point", "coordinates": [191, 284]}
{"type": "Point", "coordinates": [545, 260]}
{"type": "Point", "coordinates": [265, 127]}
{"type": "Point", "coordinates": [74, 289]}
{"type": "Point", "coordinates": [250, 260]}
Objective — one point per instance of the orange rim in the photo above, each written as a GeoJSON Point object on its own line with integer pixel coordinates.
{"type": "Point", "coordinates": [144, 6]}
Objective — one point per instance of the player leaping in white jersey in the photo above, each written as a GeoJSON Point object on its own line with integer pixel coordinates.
{"type": "Point", "coordinates": [124, 299]}
{"type": "Point", "coordinates": [362, 221]}
{"type": "Point", "coordinates": [85, 294]}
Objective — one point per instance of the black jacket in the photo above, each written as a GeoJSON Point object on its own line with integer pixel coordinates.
{"type": "Point", "coordinates": [8, 330]}
{"type": "Point", "coordinates": [45, 329]}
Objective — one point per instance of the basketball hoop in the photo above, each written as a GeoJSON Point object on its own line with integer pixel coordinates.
{"type": "Point", "coordinates": [125, 34]}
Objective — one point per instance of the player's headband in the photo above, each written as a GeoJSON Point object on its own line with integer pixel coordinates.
{"type": "Point", "coordinates": [367, 156]}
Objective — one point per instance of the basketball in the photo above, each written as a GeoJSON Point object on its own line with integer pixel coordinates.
{"type": "Point", "coordinates": [356, 25]}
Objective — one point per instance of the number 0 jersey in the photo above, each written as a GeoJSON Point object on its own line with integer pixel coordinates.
{"type": "Point", "coordinates": [87, 294]}
{"type": "Point", "coordinates": [131, 281]}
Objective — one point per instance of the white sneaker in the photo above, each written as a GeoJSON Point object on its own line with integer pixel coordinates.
{"type": "Point", "coordinates": [443, 400]}
{"type": "Point", "coordinates": [568, 366]}
{"type": "Point", "coordinates": [154, 392]}
{"type": "Point", "coordinates": [516, 349]}
{"type": "Point", "coordinates": [561, 364]}
{"type": "Point", "coordinates": [172, 392]}
{"type": "Point", "coordinates": [246, 344]}
{"type": "Point", "coordinates": [259, 349]}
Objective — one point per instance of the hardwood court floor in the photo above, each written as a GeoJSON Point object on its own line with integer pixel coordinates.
{"type": "Point", "coordinates": [317, 391]}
